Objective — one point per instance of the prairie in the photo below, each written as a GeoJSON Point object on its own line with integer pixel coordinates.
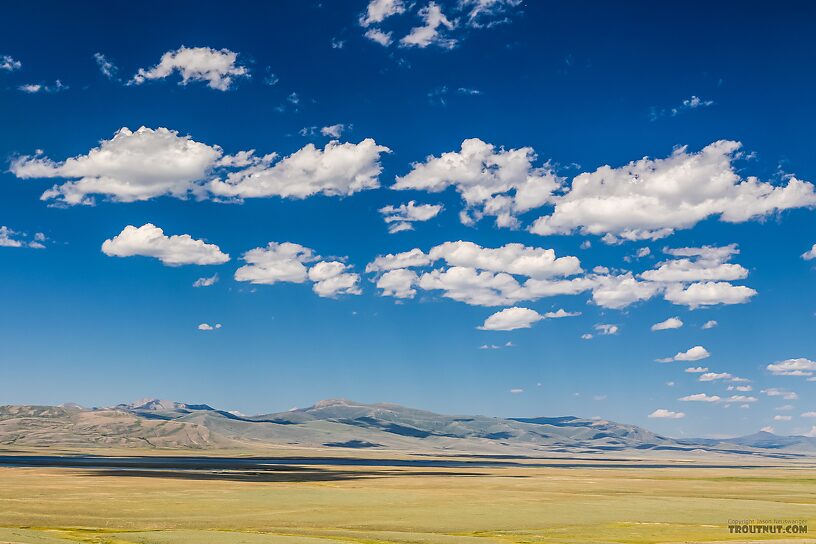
{"type": "Point", "coordinates": [503, 502]}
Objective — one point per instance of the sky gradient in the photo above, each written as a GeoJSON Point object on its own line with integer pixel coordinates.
{"type": "Point", "coordinates": [489, 116]}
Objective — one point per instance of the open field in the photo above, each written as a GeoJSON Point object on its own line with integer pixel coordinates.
{"type": "Point", "coordinates": [491, 501]}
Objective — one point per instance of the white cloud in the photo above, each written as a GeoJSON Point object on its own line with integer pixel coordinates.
{"type": "Point", "coordinates": [812, 432]}
{"type": "Point", "coordinates": [332, 278]}
{"type": "Point", "coordinates": [714, 376]}
{"type": "Point", "coordinates": [107, 68]}
{"type": "Point", "coordinates": [705, 263]}
{"type": "Point", "coordinates": [710, 324]}
{"type": "Point", "coordinates": [740, 398]}
{"type": "Point", "coordinates": [206, 281]}
{"type": "Point", "coordinates": [216, 67]}
{"type": "Point", "coordinates": [670, 323]}
{"type": "Point", "coordinates": [517, 391]}
{"type": "Point", "coordinates": [810, 254]}
{"type": "Point", "coordinates": [696, 353]}
{"type": "Point", "coordinates": [337, 169]}
{"type": "Point", "coordinates": [692, 103]}
{"type": "Point", "coordinates": [12, 238]}
{"type": "Point", "coordinates": [398, 283]}
{"type": "Point", "coordinates": [494, 182]}
{"type": "Point", "coordinates": [34, 88]}
{"type": "Point", "coordinates": [744, 389]}
{"type": "Point", "coordinates": [666, 414]}
{"type": "Point", "coordinates": [379, 10]}
{"type": "Point", "coordinates": [131, 166]}
{"type": "Point", "coordinates": [700, 397]}
{"type": "Point", "coordinates": [487, 12]}
{"type": "Point", "coordinates": [697, 369]}
{"type": "Point", "coordinates": [769, 429]}
{"type": "Point", "coordinates": [514, 318]}
{"type": "Point", "coordinates": [511, 319]}
{"type": "Point", "coordinates": [709, 293]}
{"type": "Point", "coordinates": [610, 291]}
{"type": "Point", "coordinates": [277, 262]}
{"type": "Point", "coordinates": [378, 36]}
{"type": "Point", "coordinates": [793, 367]}
{"type": "Point", "coordinates": [606, 329]}
{"type": "Point", "coordinates": [150, 241]}
{"type": "Point", "coordinates": [808, 414]}
{"type": "Point", "coordinates": [208, 327]}
{"type": "Point", "coordinates": [391, 261]}
{"type": "Point", "coordinates": [782, 418]}
{"type": "Point", "coordinates": [287, 262]}
{"type": "Point", "coordinates": [333, 131]}
{"type": "Point", "coordinates": [512, 258]}
{"type": "Point", "coordinates": [651, 198]}
{"type": "Point", "coordinates": [431, 32]}
{"type": "Point", "coordinates": [400, 218]}
{"type": "Point", "coordinates": [776, 392]}
{"type": "Point", "coordinates": [586, 336]}
{"type": "Point", "coordinates": [8, 63]}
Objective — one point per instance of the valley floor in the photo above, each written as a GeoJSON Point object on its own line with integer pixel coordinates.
{"type": "Point", "coordinates": [514, 502]}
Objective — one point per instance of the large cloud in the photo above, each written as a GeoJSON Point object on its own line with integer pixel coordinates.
{"type": "Point", "coordinates": [216, 67]}
{"type": "Point", "coordinates": [650, 198]}
{"type": "Point", "coordinates": [150, 241]}
{"type": "Point", "coordinates": [150, 163]}
{"type": "Point", "coordinates": [290, 262]}
{"type": "Point", "coordinates": [495, 182]}
{"type": "Point", "coordinates": [131, 166]}
{"type": "Point", "coordinates": [793, 367]}
{"type": "Point", "coordinates": [337, 169]}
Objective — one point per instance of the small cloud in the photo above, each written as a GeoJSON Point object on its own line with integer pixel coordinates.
{"type": "Point", "coordinates": [808, 414]}
{"type": "Point", "coordinates": [333, 131]}
{"type": "Point", "coordinates": [586, 336]}
{"type": "Point", "coordinates": [606, 329]}
{"type": "Point", "coordinates": [108, 69]}
{"type": "Point", "coordinates": [670, 323]}
{"type": "Point", "coordinates": [9, 64]}
{"type": "Point", "coordinates": [692, 103]}
{"type": "Point", "coordinates": [208, 327]}
{"type": "Point", "coordinates": [696, 369]}
{"type": "Point", "coordinates": [34, 88]}
{"type": "Point", "coordinates": [768, 429]}
{"type": "Point", "coordinates": [270, 79]}
{"type": "Point", "coordinates": [337, 43]}
{"type": "Point", "coordinates": [710, 324]}
{"type": "Point", "coordinates": [378, 36]}
{"type": "Point", "coordinates": [517, 391]}
{"type": "Point", "coordinates": [692, 354]}
{"type": "Point", "coordinates": [700, 397]}
{"type": "Point", "coordinates": [776, 392]}
{"type": "Point", "coordinates": [206, 281]}
{"type": "Point", "coordinates": [782, 418]}
{"type": "Point", "coordinates": [662, 413]}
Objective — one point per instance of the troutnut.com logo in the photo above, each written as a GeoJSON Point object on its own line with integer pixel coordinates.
{"type": "Point", "coordinates": [767, 526]}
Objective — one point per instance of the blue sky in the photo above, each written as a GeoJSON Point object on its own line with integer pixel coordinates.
{"type": "Point", "coordinates": [547, 95]}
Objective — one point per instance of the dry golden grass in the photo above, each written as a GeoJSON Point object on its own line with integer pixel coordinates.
{"type": "Point", "coordinates": [410, 505]}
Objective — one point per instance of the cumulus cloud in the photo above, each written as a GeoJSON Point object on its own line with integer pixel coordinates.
{"type": "Point", "coordinates": [208, 327]}
{"type": "Point", "coordinates": [670, 323]}
{"type": "Point", "coordinates": [339, 169]}
{"type": "Point", "coordinates": [379, 10]}
{"type": "Point", "coordinates": [709, 293]}
{"type": "Point", "coordinates": [793, 367]}
{"type": "Point", "coordinates": [486, 276]}
{"type": "Point", "coordinates": [810, 254]}
{"type": "Point", "coordinates": [692, 354]}
{"type": "Point", "coordinates": [710, 324]}
{"type": "Point", "coordinates": [662, 413]}
{"type": "Point", "coordinates": [649, 199]}
{"type": "Point", "coordinates": [697, 369]}
{"type": "Point", "coordinates": [150, 163]}
{"type": "Point", "coordinates": [714, 376]}
{"type": "Point", "coordinates": [332, 278]}
{"type": "Point", "coordinates": [8, 63]}
{"type": "Point", "coordinates": [700, 397]}
{"type": "Point", "coordinates": [401, 218]}
{"type": "Point", "coordinates": [514, 318]}
{"type": "Point", "coordinates": [206, 281]}
{"type": "Point", "coordinates": [695, 264]}
{"type": "Point", "coordinates": [398, 283]}
{"type": "Point", "coordinates": [131, 166]}
{"type": "Point", "coordinates": [150, 241]}
{"type": "Point", "coordinates": [217, 67]}
{"type": "Point", "coordinates": [290, 262]}
{"type": "Point", "coordinates": [432, 31]}
{"type": "Point", "coordinates": [494, 182]}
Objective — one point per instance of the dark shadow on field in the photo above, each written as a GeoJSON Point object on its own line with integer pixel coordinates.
{"type": "Point", "coordinates": [280, 474]}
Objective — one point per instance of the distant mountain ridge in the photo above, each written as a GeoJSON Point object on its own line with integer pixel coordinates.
{"type": "Point", "coordinates": [334, 423]}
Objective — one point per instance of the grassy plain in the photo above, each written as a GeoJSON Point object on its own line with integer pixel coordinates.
{"type": "Point", "coordinates": [368, 505]}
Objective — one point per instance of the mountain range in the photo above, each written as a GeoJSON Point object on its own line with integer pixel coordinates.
{"type": "Point", "coordinates": [338, 423]}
